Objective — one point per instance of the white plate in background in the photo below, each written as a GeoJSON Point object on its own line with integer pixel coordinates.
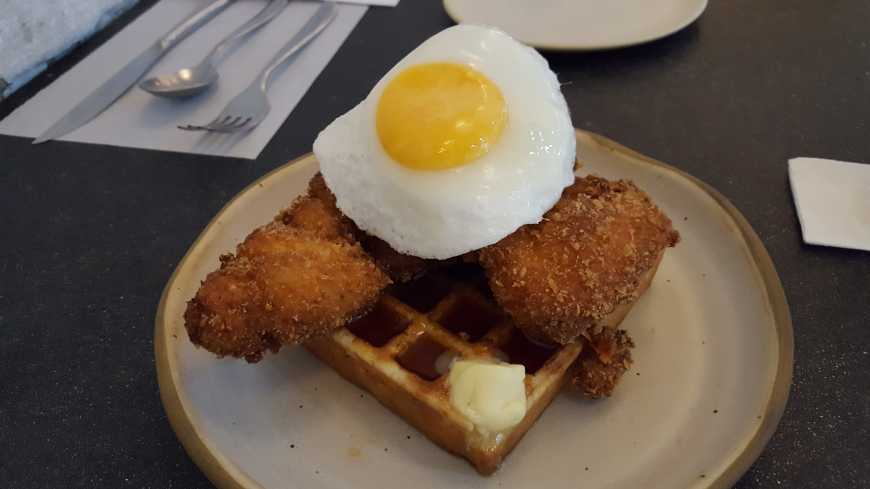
{"type": "Point", "coordinates": [579, 25]}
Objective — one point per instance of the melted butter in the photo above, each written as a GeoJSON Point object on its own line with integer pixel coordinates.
{"type": "Point", "coordinates": [490, 395]}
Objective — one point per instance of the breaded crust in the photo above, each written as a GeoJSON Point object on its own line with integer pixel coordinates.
{"type": "Point", "coordinates": [605, 358]}
{"type": "Point", "coordinates": [558, 277]}
{"type": "Point", "coordinates": [302, 275]}
{"type": "Point", "coordinates": [318, 213]}
{"type": "Point", "coordinates": [281, 287]}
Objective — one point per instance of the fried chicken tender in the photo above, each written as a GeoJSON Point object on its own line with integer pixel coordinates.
{"type": "Point", "coordinates": [319, 214]}
{"type": "Point", "coordinates": [559, 277]}
{"type": "Point", "coordinates": [605, 358]}
{"type": "Point", "coordinates": [300, 276]}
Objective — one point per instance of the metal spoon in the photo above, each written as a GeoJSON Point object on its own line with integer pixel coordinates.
{"type": "Point", "coordinates": [191, 81]}
{"type": "Point", "coordinates": [249, 108]}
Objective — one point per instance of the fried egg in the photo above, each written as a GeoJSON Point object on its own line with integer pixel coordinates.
{"type": "Point", "coordinates": [462, 142]}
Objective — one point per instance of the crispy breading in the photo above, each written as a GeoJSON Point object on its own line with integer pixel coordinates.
{"type": "Point", "coordinates": [302, 275]}
{"type": "Point", "coordinates": [317, 214]}
{"type": "Point", "coordinates": [281, 287]}
{"type": "Point", "coordinates": [558, 277]}
{"type": "Point", "coordinates": [605, 358]}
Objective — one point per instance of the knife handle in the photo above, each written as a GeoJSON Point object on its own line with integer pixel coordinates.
{"type": "Point", "coordinates": [192, 23]}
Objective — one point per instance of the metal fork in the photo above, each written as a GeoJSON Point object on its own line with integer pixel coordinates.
{"type": "Point", "coordinates": [249, 108]}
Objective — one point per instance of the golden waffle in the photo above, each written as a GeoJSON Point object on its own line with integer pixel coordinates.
{"type": "Point", "coordinates": [392, 352]}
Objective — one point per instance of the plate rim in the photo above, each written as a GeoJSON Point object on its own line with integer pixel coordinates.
{"type": "Point", "coordinates": [449, 7]}
{"type": "Point", "coordinates": [225, 474]}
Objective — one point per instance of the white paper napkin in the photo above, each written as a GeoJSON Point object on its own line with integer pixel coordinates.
{"type": "Point", "coordinates": [141, 120]}
{"type": "Point", "coordinates": [833, 201]}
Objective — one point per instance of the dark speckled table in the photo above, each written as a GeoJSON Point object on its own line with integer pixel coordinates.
{"type": "Point", "coordinates": [90, 234]}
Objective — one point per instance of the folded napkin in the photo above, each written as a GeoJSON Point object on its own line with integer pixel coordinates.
{"type": "Point", "coordinates": [34, 32]}
{"type": "Point", "coordinates": [833, 201]}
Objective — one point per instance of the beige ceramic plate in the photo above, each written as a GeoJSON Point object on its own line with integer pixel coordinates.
{"type": "Point", "coordinates": [712, 373]}
{"type": "Point", "coordinates": [580, 25]}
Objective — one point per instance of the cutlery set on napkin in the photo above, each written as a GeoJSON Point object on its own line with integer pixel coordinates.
{"type": "Point", "coordinates": [239, 39]}
{"type": "Point", "coordinates": [245, 111]}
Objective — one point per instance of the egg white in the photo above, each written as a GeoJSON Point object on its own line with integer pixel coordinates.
{"type": "Point", "coordinates": [445, 213]}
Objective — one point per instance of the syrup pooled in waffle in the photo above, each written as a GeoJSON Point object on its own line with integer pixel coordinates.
{"type": "Point", "coordinates": [400, 352]}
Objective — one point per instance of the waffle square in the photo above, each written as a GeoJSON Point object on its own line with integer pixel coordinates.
{"type": "Point", "coordinates": [393, 352]}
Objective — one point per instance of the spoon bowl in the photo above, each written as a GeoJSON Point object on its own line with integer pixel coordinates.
{"type": "Point", "coordinates": [186, 82]}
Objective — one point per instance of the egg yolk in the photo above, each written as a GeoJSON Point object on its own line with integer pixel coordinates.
{"type": "Point", "coordinates": [437, 116]}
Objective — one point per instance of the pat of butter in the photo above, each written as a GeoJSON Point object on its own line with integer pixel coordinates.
{"type": "Point", "coordinates": [491, 395]}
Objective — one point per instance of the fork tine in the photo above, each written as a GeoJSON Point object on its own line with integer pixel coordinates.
{"type": "Point", "coordinates": [219, 126]}
{"type": "Point", "coordinates": [222, 123]}
{"type": "Point", "coordinates": [242, 122]}
{"type": "Point", "coordinates": [218, 122]}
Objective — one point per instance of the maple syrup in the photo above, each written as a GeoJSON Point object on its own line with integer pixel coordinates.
{"type": "Point", "coordinates": [523, 351]}
{"type": "Point", "coordinates": [423, 294]}
{"type": "Point", "coordinates": [421, 357]}
{"type": "Point", "coordinates": [470, 319]}
{"type": "Point", "coordinates": [379, 326]}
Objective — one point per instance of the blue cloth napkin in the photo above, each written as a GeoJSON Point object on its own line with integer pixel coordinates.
{"type": "Point", "coordinates": [33, 33]}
